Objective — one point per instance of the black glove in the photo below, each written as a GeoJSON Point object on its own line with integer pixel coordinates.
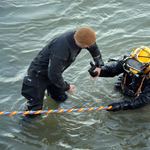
{"type": "Point", "coordinates": [125, 105]}
{"type": "Point", "coordinates": [115, 107]}
{"type": "Point", "coordinates": [93, 67]}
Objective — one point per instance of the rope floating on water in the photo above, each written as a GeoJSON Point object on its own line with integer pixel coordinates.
{"type": "Point", "coordinates": [4, 113]}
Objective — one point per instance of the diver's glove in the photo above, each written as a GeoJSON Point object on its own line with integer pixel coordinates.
{"type": "Point", "coordinates": [99, 63]}
{"type": "Point", "coordinates": [93, 67]}
{"type": "Point", "coordinates": [119, 106]}
{"type": "Point", "coordinates": [115, 107]}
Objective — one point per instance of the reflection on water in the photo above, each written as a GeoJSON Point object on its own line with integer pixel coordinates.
{"type": "Point", "coordinates": [25, 28]}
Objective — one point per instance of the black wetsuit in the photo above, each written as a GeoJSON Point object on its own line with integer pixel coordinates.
{"type": "Point", "coordinates": [45, 71]}
{"type": "Point", "coordinates": [138, 100]}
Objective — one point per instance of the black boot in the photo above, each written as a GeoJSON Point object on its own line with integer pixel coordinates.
{"type": "Point", "coordinates": [29, 108]}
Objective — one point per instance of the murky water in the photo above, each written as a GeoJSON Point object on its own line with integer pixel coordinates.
{"type": "Point", "coordinates": [25, 28]}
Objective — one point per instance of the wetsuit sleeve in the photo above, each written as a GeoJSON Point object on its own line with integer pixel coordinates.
{"type": "Point", "coordinates": [96, 54]}
{"type": "Point", "coordinates": [112, 70]}
{"type": "Point", "coordinates": [55, 69]}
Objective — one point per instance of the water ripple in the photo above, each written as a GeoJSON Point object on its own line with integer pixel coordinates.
{"type": "Point", "coordinates": [26, 27]}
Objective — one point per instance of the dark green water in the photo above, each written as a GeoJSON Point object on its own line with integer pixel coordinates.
{"type": "Point", "coordinates": [25, 28]}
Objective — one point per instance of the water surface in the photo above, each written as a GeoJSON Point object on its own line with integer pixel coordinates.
{"type": "Point", "coordinates": [25, 28]}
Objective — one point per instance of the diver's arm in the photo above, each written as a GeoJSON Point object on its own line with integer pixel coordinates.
{"type": "Point", "coordinates": [112, 70]}
{"type": "Point", "coordinates": [142, 100]}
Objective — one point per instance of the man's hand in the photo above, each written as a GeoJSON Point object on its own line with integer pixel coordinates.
{"type": "Point", "coordinates": [98, 70]}
{"type": "Point", "coordinates": [72, 89]}
{"type": "Point", "coordinates": [93, 67]}
{"type": "Point", "coordinates": [94, 71]}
